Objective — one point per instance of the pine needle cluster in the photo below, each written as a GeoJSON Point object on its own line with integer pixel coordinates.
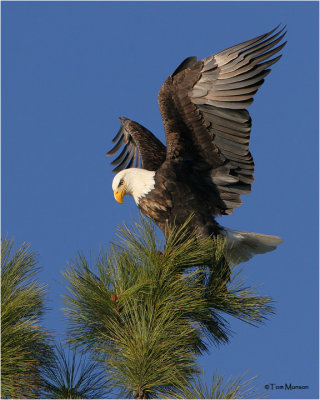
{"type": "Point", "coordinates": [221, 388]}
{"type": "Point", "coordinates": [70, 376]}
{"type": "Point", "coordinates": [25, 345]}
{"type": "Point", "coordinates": [146, 310]}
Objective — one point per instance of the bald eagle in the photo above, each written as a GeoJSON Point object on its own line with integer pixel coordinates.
{"type": "Point", "coordinates": [206, 165]}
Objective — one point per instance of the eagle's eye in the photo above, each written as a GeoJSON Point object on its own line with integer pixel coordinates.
{"type": "Point", "coordinates": [121, 182]}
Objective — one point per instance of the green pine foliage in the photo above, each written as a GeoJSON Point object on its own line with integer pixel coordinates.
{"type": "Point", "coordinates": [148, 310]}
{"type": "Point", "coordinates": [25, 345]}
{"type": "Point", "coordinates": [70, 376]}
{"type": "Point", "coordinates": [236, 388]}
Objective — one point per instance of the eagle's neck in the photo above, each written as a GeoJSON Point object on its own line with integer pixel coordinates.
{"type": "Point", "coordinates": [139, 182]}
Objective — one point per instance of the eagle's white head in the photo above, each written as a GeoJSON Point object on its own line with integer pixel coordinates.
{"type": "Point", "coordinates": [134, 181]}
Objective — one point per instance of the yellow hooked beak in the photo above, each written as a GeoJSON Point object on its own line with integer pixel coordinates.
{"type": "Point", "coordinates": [119, 194]}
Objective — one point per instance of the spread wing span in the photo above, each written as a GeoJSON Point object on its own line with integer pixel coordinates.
{"type": "Point", "coordinates": [203, 107]}
{"type": "Point", "coordinates": [140, 146]}
{"type": "Point", "coordinates": [211, 97]}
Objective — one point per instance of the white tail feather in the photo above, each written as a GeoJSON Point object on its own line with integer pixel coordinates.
{"type": "Point", "coordinates": [241, 246]}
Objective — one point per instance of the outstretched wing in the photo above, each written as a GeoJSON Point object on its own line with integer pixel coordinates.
{"type": "Point", "coordinates": [139, 144]}
{"type": "Point", "coordinates": [210, 97]}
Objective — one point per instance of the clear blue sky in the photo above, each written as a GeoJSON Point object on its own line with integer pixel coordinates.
{"type": "Point", "coordinates": [69, 69]}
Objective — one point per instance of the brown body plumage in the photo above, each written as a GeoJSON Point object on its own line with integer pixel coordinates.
{"type": "Point", "coordinates": [206, 164]}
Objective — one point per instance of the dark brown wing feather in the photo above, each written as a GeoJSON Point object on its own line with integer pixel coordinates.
{"type": "Point", "coordinates": [203, 107]}
{"type": "Point", "coordinates": [139, 144]}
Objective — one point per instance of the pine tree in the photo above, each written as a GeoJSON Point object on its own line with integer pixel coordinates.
{"type": "Point", "coordinates": [236, 388]}
{"type": "Point", "coordinates": [147, 310]}
{"type": "Point", "coordinates": [71, 376]}
{"type": "Point", "coordinates": [31, 367]}
{"type": "Point", "coordinates": [25, 345]}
